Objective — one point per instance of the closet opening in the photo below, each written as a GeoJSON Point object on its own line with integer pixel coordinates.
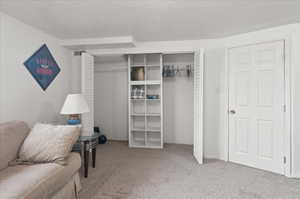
{"type": "Point", "coordinates": [149, 99]}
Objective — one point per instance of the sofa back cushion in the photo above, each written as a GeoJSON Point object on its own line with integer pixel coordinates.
{"type": "Point", "coordinates": [12, 135]}
{"type": "Point", "coordinates": [48, 143]}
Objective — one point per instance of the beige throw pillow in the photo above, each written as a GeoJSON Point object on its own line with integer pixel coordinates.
{"type": "Point", "coordinates": [48, 143]}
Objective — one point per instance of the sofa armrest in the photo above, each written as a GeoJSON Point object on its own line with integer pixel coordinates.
{"type": "Point", "coordinates": [12, 135]}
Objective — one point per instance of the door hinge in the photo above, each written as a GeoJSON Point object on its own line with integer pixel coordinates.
{"type": "Point", "coordinates": [284, 108]}
{"type": "Point", "coordinates": [284, 160]}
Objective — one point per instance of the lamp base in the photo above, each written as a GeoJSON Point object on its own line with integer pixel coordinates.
{"type": "Point", "coordinates": [74, 119]}
{"type": "Point", "coordinates": [74, 122]}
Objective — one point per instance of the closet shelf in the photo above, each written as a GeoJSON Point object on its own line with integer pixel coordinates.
{"type": "Point", "coordinates": [147, 146]}
{"type": "Point", "coordinates": [144, 99]}
{"type": "Point", "coordinates": [146, 130]}
{"type": "Point", "coordinates": [147, 82]}
{"type": "Point", "coordinates": [153, 114]}
{"type": "Point", "coordinates": [153, 65]}
{"type": "Point", "coordinates": [149, 100]}
{"type": "Point", "coordinates": [147, 65]}
{"type": "Point", "coordinates": [138, 143]}
{"type": "Point", "coordinates": [138, 115]}
{"type": "Point", "coordinates": [153, 130]}
{"type": "Point", "coordinates": [137, 99]}
{"type": "Point", "coordinates": [138, 130]}
{"type": "Point", "coordinates": [137, 65]}
{"type": "Point", "coordinates": [147, 114]}
{"type": "Point", "coordinates": [154, 144]}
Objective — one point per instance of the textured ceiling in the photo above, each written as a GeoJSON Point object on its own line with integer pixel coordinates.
{"type": "Point", "coordinates": [152, 20]}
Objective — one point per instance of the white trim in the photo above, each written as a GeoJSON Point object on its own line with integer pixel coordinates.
{"type": "Point", "coordinates": [198, 108]}
{"type": "Point", "coordinates": [226, 107]}
{"type": "Point", "coordinates": [287, 148]}
{"type": "Point", "coordinates": [201, 68]}
{"type": "Point", "coordinates": [87, 89]}
{"type": "Point", "coordinates": [294, 176]}
{"type": "Point", "coordinates": [137, 50]}
{"type": "Point", "coordinates": [2, 71]}
{"type": "Point", "coordinates": [161, 101]}
{"type": "Point", "coordinates": [288, 102]}
{"type": "Point", "coordinates": [80, 44]}
{"type": "Point", "coordinates": [129, 60]}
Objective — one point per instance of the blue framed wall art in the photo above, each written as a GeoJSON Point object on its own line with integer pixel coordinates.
{"type": "Point", "coordinates": [42, 66]}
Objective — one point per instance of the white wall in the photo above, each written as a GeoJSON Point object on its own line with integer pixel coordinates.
{"type": "Point", "coordinates": [21, 96]}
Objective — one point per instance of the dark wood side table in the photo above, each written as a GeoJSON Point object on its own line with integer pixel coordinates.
{"type": "Point", "coordinates": [85, 145]}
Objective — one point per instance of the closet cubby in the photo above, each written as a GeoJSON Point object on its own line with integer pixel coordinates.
{"type": "Point", "coordinates": [138, 138]}
{"type": "Point", "coordinates": [153, 107]}
{"type": "Point", "coordinates": [138, 107]}
{"type": "Point", "coordinates": [138, 123]}
{"type": "Point", "coordinates": [138, 92]}
{"type": "Point", "coordinates": [153, 139]}
{"type": "Point", "coordinates": [153, 91]}
{"type": "Point", "coordinates": [153, 124]}
{"type": "Point", "coordinates": [152, 73]}
{"type": "Point", "coordinates": [152, 67]}
{"type": "Point", "coordinates": [153, 60]}
{"type": "Point", "coordinates": [138, 73]}
{"type": "Point", "coordinates": [145, 103]}
{"type": "Point", "coordinates": [138, 60]}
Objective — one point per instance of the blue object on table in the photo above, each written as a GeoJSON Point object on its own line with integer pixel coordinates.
{"type": "Point", "coordinates": [73, 122]}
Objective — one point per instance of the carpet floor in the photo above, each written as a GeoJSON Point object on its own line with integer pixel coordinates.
{"type": "Point", "coordinates": [172, 173]}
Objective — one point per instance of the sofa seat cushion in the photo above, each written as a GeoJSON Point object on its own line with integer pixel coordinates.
{"type": "Point", "coordinates": [38, 181]}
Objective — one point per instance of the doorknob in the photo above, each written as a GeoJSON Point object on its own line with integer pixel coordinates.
{"type": "Point", "coordinates": [232, 111]}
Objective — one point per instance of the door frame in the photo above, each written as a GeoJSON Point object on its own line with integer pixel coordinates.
{"type": "Point", "coordinates": [287, 133]}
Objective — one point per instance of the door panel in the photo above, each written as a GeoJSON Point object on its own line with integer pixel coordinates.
{"type": "Point", "coordinates": [242, 127]}
{"type": "Point", "coordinates": [265, 139]}
{"type": "Point", "coordinates": [242, 88]}
{"type": "Point", "coordinates": [87, 89]}
{"type": "Point", "coordinates": [256, 94]}
{"type": "Point", "coordinates": [265, 89]}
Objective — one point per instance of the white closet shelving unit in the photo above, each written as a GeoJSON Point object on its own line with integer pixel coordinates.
{"type": "Point", "coordinates": [145, 114]}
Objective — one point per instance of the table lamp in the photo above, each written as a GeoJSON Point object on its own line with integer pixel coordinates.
{"type": "Point", "coordinates": [74, 106]}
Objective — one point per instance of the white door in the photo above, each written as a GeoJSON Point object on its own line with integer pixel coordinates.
{"type": "Point", "coordinates": [87, 89]}
{"type": "Point", "coordinates": [198, 106]}
{"type": "Point", "coordinates": [256, 106]}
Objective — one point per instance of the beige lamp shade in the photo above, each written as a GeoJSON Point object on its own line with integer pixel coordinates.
{"type": "Point", "coordinates": [74, 104]}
